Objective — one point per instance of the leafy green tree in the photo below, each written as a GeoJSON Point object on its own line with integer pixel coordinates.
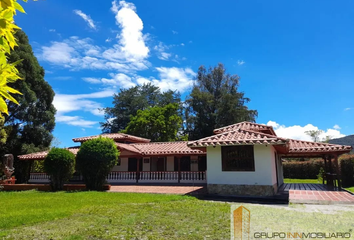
{"type": "Point", "coordinates": [160, 124]}
{"type": "Point", "coordinates": [60, 165]}
{"type": "Point", "coordinates": [29, 125]}
{"type": "Point", "coordinates": [127, 102]}
{"type": "Point", "coordinates": [95, 160]}
{"type": "Point", "coordinates": [314, 134]}
{"type": "Point", "coordinates": [215, 102]}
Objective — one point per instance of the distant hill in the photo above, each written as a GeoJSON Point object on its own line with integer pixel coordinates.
{"type": "Point", "coordinates": [347, 140]}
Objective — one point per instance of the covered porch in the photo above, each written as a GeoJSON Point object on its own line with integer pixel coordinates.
{"type": "Point", "coordinates": [328, 152]}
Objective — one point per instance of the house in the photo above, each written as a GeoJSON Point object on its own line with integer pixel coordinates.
{"type": "Point", "coordinates": [241, 159]}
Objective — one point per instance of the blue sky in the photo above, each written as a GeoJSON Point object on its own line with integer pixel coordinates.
{"type": "Point", "coordinates": [295, 58]}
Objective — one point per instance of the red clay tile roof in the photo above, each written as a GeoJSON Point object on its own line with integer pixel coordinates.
{"type": "Point", "coordinates": [166, 148]}
{"type": "Point", "coordinates": [128, 147]}
{"type": "Point", "coordinates": [42, 155]}
{"type": "Point", "coordinates": [298, 146]}
{"type": "Point", "coordinates": [144, 149]}
{"type": "Point", "coordinates": [115, 136]}
{"type": "Point", "coordinates": [246, 126]}
{"type": "Point", "coordinates": [238, 137]}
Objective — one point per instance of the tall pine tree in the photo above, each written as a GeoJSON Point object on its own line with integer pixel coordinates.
{"type": "Point", "coordinates": [215, 102]}
{"type": "Point", "coordinates": [29, 125]}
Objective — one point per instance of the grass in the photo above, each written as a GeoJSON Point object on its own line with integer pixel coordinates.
{"type": "Point", "coordinates": [351, 189]}
{"type": "Point", "coordinates": [100, 215]}
{"type": "Point", "coordinates": [292, 180]}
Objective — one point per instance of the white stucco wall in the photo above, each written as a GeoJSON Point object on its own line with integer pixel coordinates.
{"type": "Point", "coordinates": [194, 166]}
{"type": "Point", "coordinates": [274, 168]}
{"type": "Point", "coordinates": [123, 165]}
{"type": "Point", "coordinates": [170, 163]}
{"type": "Point", "coordinates": [264, 167]}
{"type": "Point", "coordinates": [146, 166]}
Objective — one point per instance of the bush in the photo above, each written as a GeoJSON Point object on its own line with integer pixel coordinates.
{"type": "Point", "coordinates": [303, 170]}
{"type": "Point", "coordinates": [95, 160]}
{"type": "Point", "coordinates": [60, 165]}
{"type": "Point", "coordinates": [347, 170]}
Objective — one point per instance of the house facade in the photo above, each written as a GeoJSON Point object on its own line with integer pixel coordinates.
{"type": "Point", "coordinates": [240, 159]}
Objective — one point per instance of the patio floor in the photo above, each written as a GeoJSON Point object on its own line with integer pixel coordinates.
{"type": "Point", "coordinates": [183, 190]}
{"type": "Point", "coordinates": [315, 194]}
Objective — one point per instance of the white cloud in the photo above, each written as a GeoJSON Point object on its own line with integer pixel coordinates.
{"type": "Point", "coordinates": [128, 54]}
{"type": "Point", "coordinates": [58, 53]}
{"type": "Point", "coordinates": [52, 30]}
{"type": "Point", "coordinates": [66, 103]}
{"type": "Point", "coordinates": [174, 32]}
{"type": "Point", "coordinates": [131, 40]}
{"type": "Point", "coordinates": [75, 121]}
{"type": "Point", "coordinates": [347, 109]}
{"type": "Point", "coordinates": [161, 50]}
{"type": "Point", "coordinates": [337, 127]}
{"type": "Point", "coordinates": [298, 132]}
{"type": "Point", "coordinates": [182, 44]}
{"type": "Point", "coordinates": [92, 80]}
{"type": "Point", "coordinates": [240, 62]}
{"type": "Point", "coordinates": [86, 18]}
{"type": "Point", "coordinates": [174, 78]}
{"type": "Point", "coordinates": [120, 80]}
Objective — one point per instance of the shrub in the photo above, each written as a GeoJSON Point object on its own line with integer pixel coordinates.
{"type": "Point", "coordinates": [60, 165]}
{"type": "Point", "coordinates": [347, 170]}
{"type": "Point", "coordinates": [303, 169]}
{"type": "Point", "coordinates": [95, 160]}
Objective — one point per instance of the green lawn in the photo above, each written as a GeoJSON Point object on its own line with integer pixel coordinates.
{"type": "Point", "coordinates": [292, 180]}
{"type": "Point", "coordinates": [101, 215]}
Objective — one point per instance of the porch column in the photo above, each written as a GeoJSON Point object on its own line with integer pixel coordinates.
{"type": "Point", "coordinates": [137, 169]}
{"type": "Point", "coordinates": [330, 163]}
{"type": "Point", "coordinates": [179, 169]}
{"type": "Point", "coordinates": [325, 168]}
{"type": "Point", "coordinates": [338, 173]}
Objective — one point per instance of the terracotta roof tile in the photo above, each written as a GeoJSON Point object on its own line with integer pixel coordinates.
{"type": "Point", "coordinates": [42, 155]}
{"type": "Point", "coordinates": [246, 126]}
{"type": "Point", "coordinates": [298, 146]}
{"type": "Point", "coordinates": [238, 137]}
{"type": "Point", "coordinates": [114, 136]}
{"type": "Point", "coordinates": [128, 147]}
{"type": "Point", "coordinates": [166, 148]}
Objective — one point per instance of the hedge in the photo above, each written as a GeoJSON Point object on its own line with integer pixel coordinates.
{"type": "Point", "coordinates": [310, 169]}
{"type": "Point", "coordinates": [60, 165]}
{"type": "Point", "coordinates": [303, 170]}
{"type": "Point", "coordinates": [95, 160]}
{"type": "Point", "coordinates": [347, 170]}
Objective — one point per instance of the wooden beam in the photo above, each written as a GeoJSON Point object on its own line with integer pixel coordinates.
{"type": "Point", "coordinates": [325, 170]}
{"type": "Point", "coordinates": [339, 178]}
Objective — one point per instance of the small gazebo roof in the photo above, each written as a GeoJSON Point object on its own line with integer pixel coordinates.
{"type": "Point", "coordinates": [248, 133]}
{"type": "Point", "coordinates": [238, 137]}
{"type": "Point", "coordinates": [247, 126]}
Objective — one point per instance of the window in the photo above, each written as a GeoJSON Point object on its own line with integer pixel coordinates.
{"type": "Point", "coordinates": [118, 161]}
{"type": "Point", "coordinates": [237, 158]}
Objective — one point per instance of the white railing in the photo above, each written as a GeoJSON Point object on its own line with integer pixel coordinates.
{"type": "Point", "coordinates": [39, 178]}
{"type": "Point", "coordinates": [117, 177]}
{"type": "Point", "coordinates": [193, 177]}
{"type": "Point", "coordinates": [166, 177]}
{"type": "Point", "coordinates": [131, 177]}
